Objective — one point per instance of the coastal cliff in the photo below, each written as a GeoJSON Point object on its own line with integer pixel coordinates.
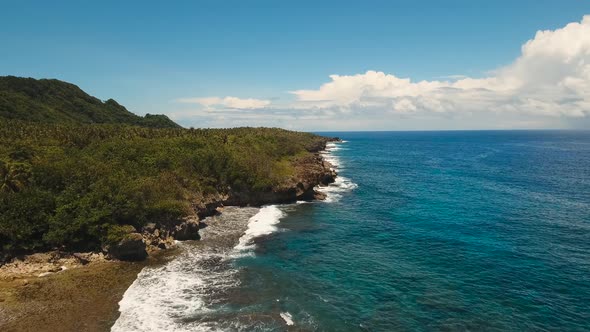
{"type": "Point", "coordinates": [311, 171]}
{"type": "Point", "coordinates": [135, 244]}
{"type": "Point", "coordinates": [81, 175]}
{"type": "Point", "coordinates": [86, 186]}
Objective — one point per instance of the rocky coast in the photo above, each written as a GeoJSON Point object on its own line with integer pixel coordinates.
{"type": "Point", "coordinates": [52, 291]}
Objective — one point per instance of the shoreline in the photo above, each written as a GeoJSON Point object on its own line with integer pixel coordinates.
{"type": "Point", "coordinates": [31, 297]}
{"type": "Point", "coordinates": [311, 173]}
{"type": "Point", "coordinates": [165, 297]}
{"type": "Point", "coordinates": [199, 288]}
{"type": "Point", "coordinates": [84, 298]}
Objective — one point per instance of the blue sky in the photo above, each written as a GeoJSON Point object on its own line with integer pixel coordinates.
{"type": "Point", "coordinates": [148, 56]}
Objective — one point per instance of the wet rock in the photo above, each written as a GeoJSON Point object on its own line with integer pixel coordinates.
{"type": "Point", "coordinates": [210, 206]}
{"type": "Point", "coordinates": [308, 194]}
{"type": "Point", "coordinates": [187, 230]}
{"type": "Point", "coordinates": [320, 196]}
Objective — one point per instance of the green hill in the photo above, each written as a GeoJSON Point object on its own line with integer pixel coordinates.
{"type": "Point", "coordinates": [75, 186]}
{"type": "Point", "coordinates": [55, 101]}
{"type": "Point", "coordinates": [79, 174]}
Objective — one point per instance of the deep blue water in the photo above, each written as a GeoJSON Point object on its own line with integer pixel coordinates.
{"type": "Point", "coordinates": [482, 230]}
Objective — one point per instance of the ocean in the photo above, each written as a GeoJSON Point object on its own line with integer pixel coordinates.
{"type": "Point", "coordinates": [423, 231]}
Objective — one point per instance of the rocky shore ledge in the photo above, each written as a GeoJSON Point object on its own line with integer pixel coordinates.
{"type": "Point", "coordinates": [138, 244]}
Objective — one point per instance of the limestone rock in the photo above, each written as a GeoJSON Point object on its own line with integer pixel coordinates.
{"type": "Point", "coordinates": [130, 248]}
{"type": "Point", "coordinates": [150, 228]}
{"type": "Point", "coordinates": [187, 230]}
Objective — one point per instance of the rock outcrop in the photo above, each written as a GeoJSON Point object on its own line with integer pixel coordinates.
{"type": "Point", "coordinates": [187, 230]}
{"type": "Point", "coordinates": [46, 263]}
{"type": "Point", "coordinates": [309, 172]}
{"type": "Point", "coordinates": [130, 248]}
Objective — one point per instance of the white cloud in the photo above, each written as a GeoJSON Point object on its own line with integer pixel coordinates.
{"type": "Point", "coordinates": [547, 83]}
{"type": "Point", "coordinates": [550, 78]}
{"type": "Point", "coordinates": [227, 102]}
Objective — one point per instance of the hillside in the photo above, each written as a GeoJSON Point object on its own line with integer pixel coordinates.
{"type": "Point", "coordinates": [55, 101]}
{"type": "Point", "coordinates": [77, 174]}
{"type": "Point", "coordinates": [83, 187]}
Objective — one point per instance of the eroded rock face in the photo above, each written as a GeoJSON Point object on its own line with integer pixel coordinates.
{"type": "Point", "coordinates": [187, 230]}
{"type": "Point", "coordinates": [150, 227]}
{"type": "Point", "coordinates": [130, 248]}
{"type": "Point", "coordinates": [209, 205]}
{"type": "Point", "coordinates": [310, 172]}
{"type": "Point", "coordinates": [320, 196]}
{"type": "Point", "coordinates": [158, 240]}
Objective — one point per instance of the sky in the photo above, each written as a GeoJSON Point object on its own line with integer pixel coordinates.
{"type": "Point", "coordinates": [316, 65]}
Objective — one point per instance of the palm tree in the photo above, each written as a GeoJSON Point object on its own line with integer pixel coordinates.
{"type": "Point", "coordinates": [13, 178]}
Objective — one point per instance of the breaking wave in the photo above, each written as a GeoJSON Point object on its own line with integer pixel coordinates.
{"type": "Point", "coordinates": [342, 184]}
{"type": "Point", "coordinates": [263, 223]}
{"type": "Point", "coordinates": [192, 291]}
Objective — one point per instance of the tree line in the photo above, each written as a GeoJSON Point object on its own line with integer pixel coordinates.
{"type": "Point", "coordinates": [76, 185]}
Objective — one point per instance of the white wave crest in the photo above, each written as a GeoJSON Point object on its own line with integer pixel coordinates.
{"type": "Point", "coordinates": [288, 318]}
{"type": "Point", "coordinates": [333, 160]}
{"type": "Point", "coordinates": [181, 295]}
{"type": "Point", "coordinates": [342, 184]}
{"type": "Point", "coordinates": [263, 223]}
{"type": "Point", "coordinates": [332, 146]}
{"type": "Point", "coordinates": [161, 297]}
{"type": "Point", "coordinates": [177, 295]}
{"type": "Point", "coordinates": [335, 190]}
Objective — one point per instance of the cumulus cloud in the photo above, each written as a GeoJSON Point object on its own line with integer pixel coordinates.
{"type": "Point", "coordinates": [227, 102]}
{"type": "Point", "coordinates": [549, 80]}
{"type": "Point", "coordinates": [551, 77]}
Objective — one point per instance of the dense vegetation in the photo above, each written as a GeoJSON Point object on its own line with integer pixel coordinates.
{"type": "Point", "coordinates": [80, 185]}
{"type": "Point", "coordinates": [54, 101]}
{"type": "Point", "coordinates": [75, 185]}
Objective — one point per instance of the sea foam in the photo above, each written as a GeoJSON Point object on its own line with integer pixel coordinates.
{"type": "Point", "coordinates": [288, 318]}
{"type": "Point", "coordinates": [263, 223]}
{"type": "Point", "coordinates": [159, 297]}
{"type": "Point", "coordinates": [183, 293]}
{"type": "Point", "coordinates": [177, 295]}
{"type": "Point", "coordinates": [342, 184]}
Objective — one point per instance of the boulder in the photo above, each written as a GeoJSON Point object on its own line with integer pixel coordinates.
{"type": "Point", "coordinates": [130, 248]}
{"type": "Point", "coordinates": [187, 230]}
{"type": "Point", "coordinates": [82, 258]}
{"type": "Point", "coordinates": [150, 227]}
{"type": "Point", "coordinates": [328, 178]}
{"type": "Point", "coordinates": [320, 196]}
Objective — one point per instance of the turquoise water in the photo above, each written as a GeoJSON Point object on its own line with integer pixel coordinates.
{"type": "Point", "coordinates": [446, 231]}
{"type": "Point", "coordinates": [423, 231]}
